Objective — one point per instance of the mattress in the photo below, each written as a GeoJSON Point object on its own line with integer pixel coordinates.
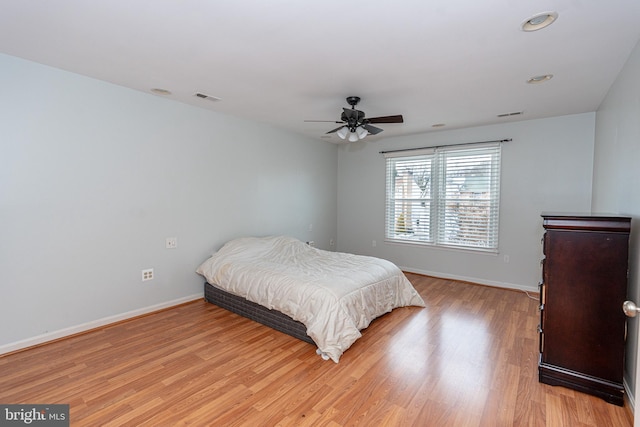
{"type": "Point", "coordinates": [335, 295]}
{"type": "Point", "coordinates": [272, 318]}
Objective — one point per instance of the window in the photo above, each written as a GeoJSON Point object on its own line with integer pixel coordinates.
{"type": "Point", "coordinates": [444, 196]}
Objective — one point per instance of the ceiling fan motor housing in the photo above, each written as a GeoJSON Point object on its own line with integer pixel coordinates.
{"type": "Point", "coordinates": [353, 100]}
{"type": "Point", "coordinates": [352, 118]}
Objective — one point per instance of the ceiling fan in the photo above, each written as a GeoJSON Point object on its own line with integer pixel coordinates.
{"type": "Point", "coordinates": [354, 126]}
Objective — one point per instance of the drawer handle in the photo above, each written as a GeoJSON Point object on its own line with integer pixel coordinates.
{"type": "Point", "coordinates": [630, 309]}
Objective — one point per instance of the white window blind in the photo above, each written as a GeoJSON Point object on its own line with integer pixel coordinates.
{"type": "Point", "coordinates": [447, 196]}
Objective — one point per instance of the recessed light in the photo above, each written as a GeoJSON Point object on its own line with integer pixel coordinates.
{"type": "Point", "coordinates": [159, 91]}
{"type": "Point", "coordinates": [539, 21]}
{"type": "Point", "coordinates": [540, 79]}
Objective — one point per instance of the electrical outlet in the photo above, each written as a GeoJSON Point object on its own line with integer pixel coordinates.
{"type": "Point", "coordinates": [331, 242]}
{"type": "Point", "coordinates": [147, 274]}
{"type": "Point", "coordinates": [374, 243]}
{"type": "Point", "coordinates": [311, 243]}
{"type": "Point", "coordinates": [172, 242]}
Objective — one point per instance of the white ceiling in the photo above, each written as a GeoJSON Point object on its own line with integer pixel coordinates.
{"type": "Point", "coordinates": [458, 62]}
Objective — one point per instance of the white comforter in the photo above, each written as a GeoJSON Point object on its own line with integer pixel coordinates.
{"type": "Point", "coordinates": [335, 295]}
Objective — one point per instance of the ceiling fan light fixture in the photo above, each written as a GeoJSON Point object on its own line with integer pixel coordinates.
{"type": "Point", "coordinates": [342, 132]}
{"type": "Point", "coordinates": [362, 132]}
{"type": "Point", "coordinates": [355, 126]}
{"type": "Point", "coordinates": [539, 21]}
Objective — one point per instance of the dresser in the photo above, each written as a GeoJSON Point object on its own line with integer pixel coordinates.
{"type": "Point", "coordinates": [584, 283]}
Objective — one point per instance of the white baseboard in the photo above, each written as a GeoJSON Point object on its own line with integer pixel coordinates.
{"type": "Point", "coordinates": [61, 333]}
{"type": "Point", "coordinates": [629, 396]}
{"type": "Point", "coordinates": [472, 280]}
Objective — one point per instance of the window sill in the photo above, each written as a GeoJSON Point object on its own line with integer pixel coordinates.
{"type": "Point", "coordinates": [422, 244]}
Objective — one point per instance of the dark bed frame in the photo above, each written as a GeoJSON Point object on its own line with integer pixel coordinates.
{"type": "Point", "coordinates": [272, 318]}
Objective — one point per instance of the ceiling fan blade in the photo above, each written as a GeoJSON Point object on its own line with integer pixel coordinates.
{"type": "Point", "coordinates": [386, 119]}
{"type": "Point", "coordinates": [372, 129]}
{"type": "Point", "coordinates": [336, 129]}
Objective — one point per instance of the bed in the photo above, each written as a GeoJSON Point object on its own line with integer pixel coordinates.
{"type": "Point", "coordinates": [321, 297]}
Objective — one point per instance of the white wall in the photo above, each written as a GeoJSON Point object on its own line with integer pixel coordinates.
{"type": "Point", "coordinates": [94, 177]}
{"type": "Point", "coordinates": [547, 167]}
{"type": "Point", "coordinates": [616, 180]}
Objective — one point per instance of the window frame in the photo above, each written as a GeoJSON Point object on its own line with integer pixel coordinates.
{"type": "Point", "coordinates": [483, 157]}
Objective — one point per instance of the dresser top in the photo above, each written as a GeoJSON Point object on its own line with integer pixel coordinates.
{"type": "Point", "coordinates": [587, 222]}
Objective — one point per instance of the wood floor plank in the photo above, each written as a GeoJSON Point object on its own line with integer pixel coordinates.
{"type": "Point", "coordinates": [467, 359]}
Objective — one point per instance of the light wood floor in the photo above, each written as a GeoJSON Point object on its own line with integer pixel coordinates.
{"type": "Point", "coordinates": [467, 359]}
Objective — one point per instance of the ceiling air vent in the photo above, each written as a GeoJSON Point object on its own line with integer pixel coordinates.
{"type": "Point", "coordinates": [515, 113]}
{"type": "Point", "coordinates": [207, 97]}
